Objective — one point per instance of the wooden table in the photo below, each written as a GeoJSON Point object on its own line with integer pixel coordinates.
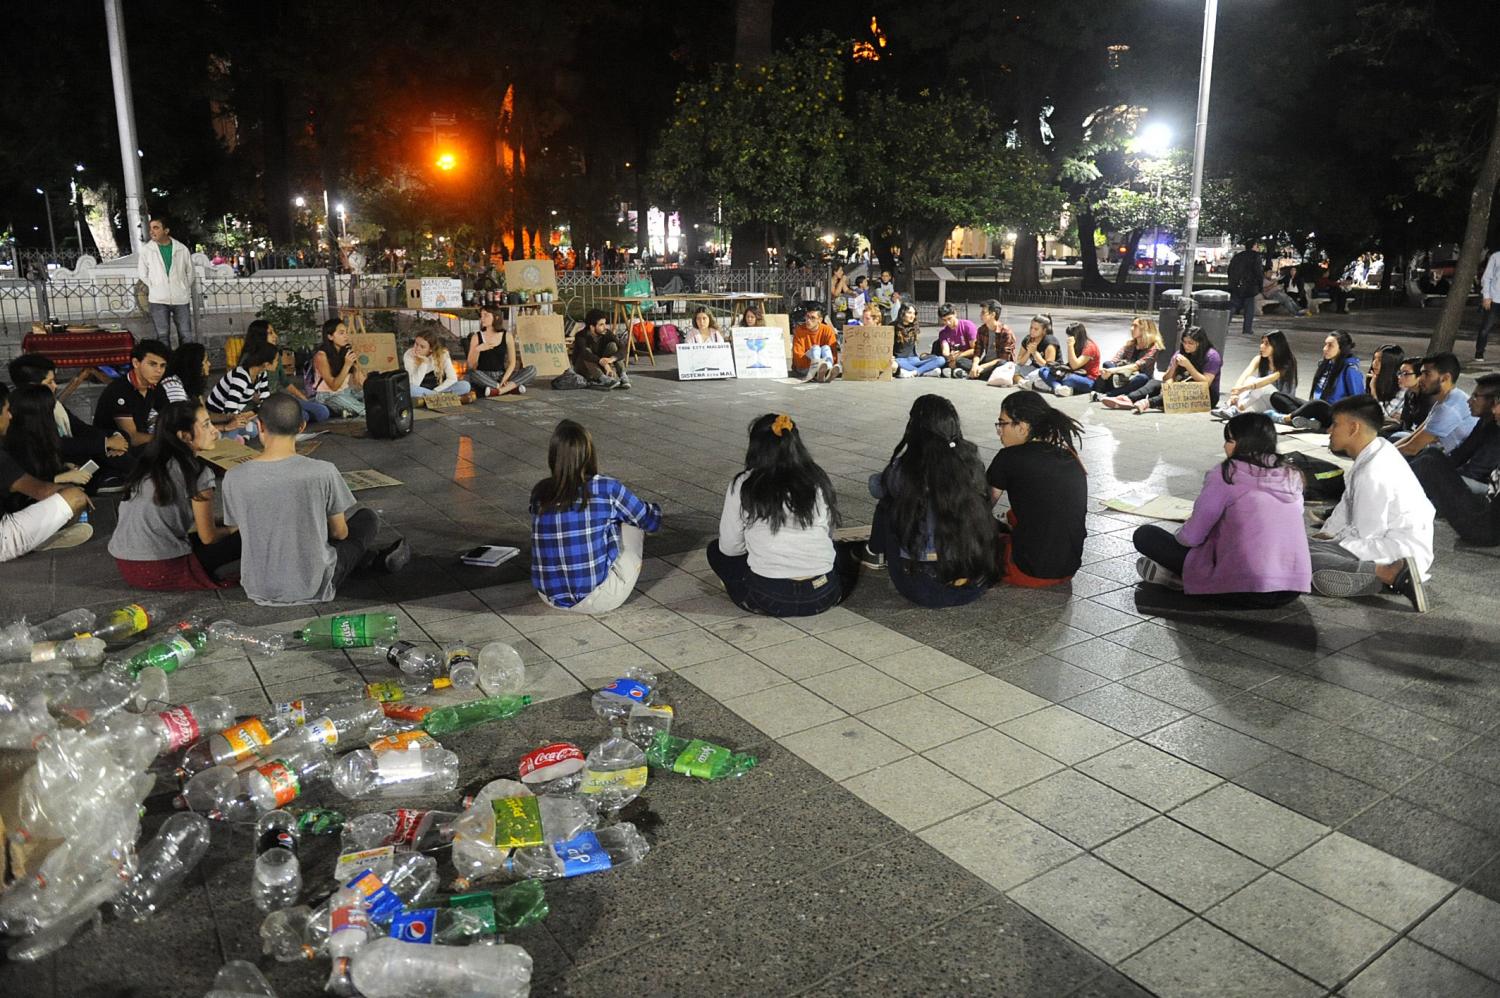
{"type": "Point", "coordinates": [628, 308]}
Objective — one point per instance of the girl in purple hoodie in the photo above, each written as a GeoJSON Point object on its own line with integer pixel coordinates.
{"type": "Point", "coordinates": [1245, 544]}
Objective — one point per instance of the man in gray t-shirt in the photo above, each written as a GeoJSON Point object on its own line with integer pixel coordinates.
{"type": "Point", "coordinates": [299, 539]}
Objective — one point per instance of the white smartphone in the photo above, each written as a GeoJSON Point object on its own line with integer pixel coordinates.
{"type": "Point", "coordinates": [89, 467]}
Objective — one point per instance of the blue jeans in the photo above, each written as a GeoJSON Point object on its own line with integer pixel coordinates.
{"type": "Point", "coordinates": [346, 400]}
{"type": "Point", "coordinates": [1248, 305]}
{"type": "Point", "coordinates": [1105, 385]}
{"type": "Point", "coordinates": [459, 387]}
{"type": "Point", "coordinates": [1078, 381]}
{"type": "Point", "coordinates": [161, 315]}
{"type": "Point", "coordinates": [314, 412]}
{"type": "Point", "coordinates": [916, 580]}
{"type": "Point", "coordinates": [919, 365]}
{"type": "Point", "coordinates": [784, 597]}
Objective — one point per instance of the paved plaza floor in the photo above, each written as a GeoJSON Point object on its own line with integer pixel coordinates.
{"type": "Point", "coordinates": [1078, 791]}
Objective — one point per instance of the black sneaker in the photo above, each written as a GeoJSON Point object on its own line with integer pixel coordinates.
{"type": "Point", "coordinates": [394, 558]}
{"type": "Point", "coordinates": [871, 560]}
{"type": "Point", "coordinates": [1303, 423]}
{"type": "Point", "coordinates": [1409, 584]}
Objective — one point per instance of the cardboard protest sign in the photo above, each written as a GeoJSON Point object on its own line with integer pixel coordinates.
{"type": "Point", "coordinates": [704, 361]}
{"type": "Point", "coordinates": [375, 351]}
{"type": "Point", "coordinates": [1182, 397]}
{"type": "Point", "coordinates": [531, 276]}
{"type": "Point", "coordinates": [867, 353]}
{"type": "Point", "coordinates": [541, 343]}
{"type": "Point", "coordinates": [783, 322]}
{"type": "Point", "coordinates": [442, 292]}
{"type": "Point", "coordinates": [368, 478]}
{"type": "Point", "coordinates": [440, 400]}
{"type": "Point", "coordinates": [1158, 507]}
{"type": "Point", "coordinates": [227, 452]}
{"type": "Point", "coordinates": [759, 352]}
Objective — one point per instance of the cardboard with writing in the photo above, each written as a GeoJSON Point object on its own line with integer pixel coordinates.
{"type": "Point", "coordinates": [375, 351]}
{"type": "Point", "coordinates": [540, 340]}
{"type": "Point", "coordinates": [867, 353]}
{"type": "Point", "coordinates": [531, 276]}
{"type": "Point", "coordinates": [442, 292]}
{"type": "Point", "coordinates": [704, 361]}
{"type": "Point", "coordinates": [1183, 397]}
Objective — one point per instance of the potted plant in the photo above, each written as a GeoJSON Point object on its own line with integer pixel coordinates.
{"type": "Point", "coordinates": [296, 323]}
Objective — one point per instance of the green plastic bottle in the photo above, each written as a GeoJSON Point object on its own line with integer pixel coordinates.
{"type": "Point", "coordinates": [169, 655]}
{"type": "Point", "coordinates": [461, 717]}
{"type": "Point", "coordinates": [695, 757]}
{"type": "Point", "coordinates": [507, 909]}
{"type": "Point", "coordinates": [354, 630]}
{"type": "Point", "coordinates": [319, 821]}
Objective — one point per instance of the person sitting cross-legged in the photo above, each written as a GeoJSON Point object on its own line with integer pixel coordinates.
{"type": "Point", "coordinates": [1133, 364]}
{"type": "Point", "coordinates": [909, 360]}
{"type": "Point", "coordinates": [1038, 470]}
{"type": "Point", "coordinates": [1272, 370]}
{"type": "Point", "coordinates": [1338, 377]}
{"type": "Point", "coordinates": [35, 513]}
{"type": "Point", "coordinates": [1245, 544]}
{"type": "Point", "coordinates": [955, 341]}
{"type": "Point", "coordinates": [597, 357]}
{"type": "Point", "coordinates": [81, 441]}
{"type": "Point", "coordinates": [1450, 418]}
{"type": "Point", "coordinates": [494, 362]}
{"type": "Point", "coordinates": [232, 400]}
{"type": "Point", "coordinates": [1379, 536]}
{"type": "Point", "coordinates": [1196, 360]}
{"type": "Point", "coordinates": [299, 538]}
{"type": "Point", "coordinates": [815, 347]}
{"type": "Point", "coordinates": [1462, 484]}
{"type": "Point", "coordinates": [429, 366]}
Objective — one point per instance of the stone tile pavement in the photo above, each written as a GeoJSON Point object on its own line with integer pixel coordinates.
{"type": "Point", "coordinates": [1072, 792]}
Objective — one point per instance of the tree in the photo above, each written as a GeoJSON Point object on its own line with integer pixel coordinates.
{"type": "Point", "coordinates": [1481, 200]}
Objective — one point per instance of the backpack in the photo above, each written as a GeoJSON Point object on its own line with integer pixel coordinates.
{"type": "Point", "coordinates": [1323, 481]}
{"type": "Point", "coordinates": [667, 338]}
{"type": "Point", "coordinates": [568, 380]}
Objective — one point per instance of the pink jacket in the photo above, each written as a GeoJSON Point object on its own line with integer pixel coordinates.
{"type": "Point", "coordinates": [1247, 536]}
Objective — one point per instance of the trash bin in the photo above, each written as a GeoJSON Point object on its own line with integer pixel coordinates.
{"type": "Point", "coordinates": [1213, 316]}
{"type": "Point", "coordinates": [1168, 322]}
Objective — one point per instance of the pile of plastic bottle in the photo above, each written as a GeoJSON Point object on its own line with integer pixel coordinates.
{"type": "Point", "coordinates": [98, 718]}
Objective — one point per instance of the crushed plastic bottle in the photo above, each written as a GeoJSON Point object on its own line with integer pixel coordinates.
{"type": "Point", "coordinates": [69, 653]}
{"type": "Point", "coordinates": [554, 769]}
{"type": "Point", "coordinates": [389, 968]}
{"type": "Point", "coordinates": [17, 639]}
{"type": "Point", "coordinates": [461, 662]}
{"type": "Point", "coordinates": [360, 630]}
{"type": "Point", "coordinates": [240, 979]}
{"type": "Point", "coordinates": [177, 847]}
{"type": "Point", "coordinates": [501, 670]}
{"type": "Point", "coordinates": [341, 726]}
{"type": "Point", "coordinates": [119, 626]}
{"type": "Point", "coordinates": [587, 852]}
{"type": "Point", "coordinates": [319, 821]}
{"type": "Point", "coordinates": [106, 693]}
{"type": "Point", "coordinates": [461, 717]}
{"type": "Point", "coordinates": [406, 828]}
{"type": "Point", "coordinates": [178, 727]}
{"type": "Point", "coordinates": [505, 815]}
{"type": "Point", "coordinates": [695, 757]}
{"type": "Point", "coordinates": [646, 721]}
{"type": "Point", "coordinates": [410, 882]}
{"type": "Point", "coordinates": [461, 919]}
{"type": "Point", "coordinates": [413, 661]}
{"type": "Point", "coordinates": [614, 701]}
{"type": "Point", "coordinates": [25, 724]}
{"type": "Point", "coordinates": [254, 643]}
{"type": "Point", "coordinates": [614, 773]}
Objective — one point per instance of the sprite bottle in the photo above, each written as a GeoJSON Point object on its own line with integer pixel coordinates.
{"type": "Point", "coordinates": [169, 655]}
{"type": "Point", "coordinates": [695, 757]}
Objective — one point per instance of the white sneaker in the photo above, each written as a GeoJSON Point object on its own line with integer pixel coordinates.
{"type": "Point", "coordinates": [902, 372]}
{"type": "Point", "coordinates": [1151, 572]}
{"type": "Point", "coordinates": [837, 371]}
{"type": "Point", "coordinates": [1062, 391]}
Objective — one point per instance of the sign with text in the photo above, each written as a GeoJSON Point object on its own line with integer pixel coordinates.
{"type": "Point", "coordinates": [531, 276]}
{"type": "Point", "coordinates": [375, 351]}
{"type": "Point", "coordinates": [440, 400]}
{"type": "Point", "coordinates": [541, 342]}
{"type": "Point", "coordinates": [442, 292]}
{"type": "Point", "coordinates": [1183, 397]}
{"type": "Point", "coordinates": [759, 352]}
{"type": "Point", "coordinates": [867, 353]}
{"type": "Point", "coordinates": [704, 361]}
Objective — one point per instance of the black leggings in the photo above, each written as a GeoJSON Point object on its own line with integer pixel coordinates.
{"type": "Point", "coordinates": [1292, 407]}
{"type": "Point", "coordinates": [224, 551]}
{"type": "Point", "coordinates": [1162, 547]}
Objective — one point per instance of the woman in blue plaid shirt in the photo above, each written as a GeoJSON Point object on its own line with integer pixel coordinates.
{"type": "Point", "coordinates": [587, 530]}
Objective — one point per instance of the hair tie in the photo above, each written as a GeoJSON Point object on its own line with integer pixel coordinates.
{"type": "Point", "coordinates": [782, 424]}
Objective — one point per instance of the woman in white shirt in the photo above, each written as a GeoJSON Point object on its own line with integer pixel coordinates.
{"type": "Point", "coordinates": [430, 367]}
{"type": "Point", "coordinates": [775, 553]}
{"type": "Point", "coordinates": [705, 329]}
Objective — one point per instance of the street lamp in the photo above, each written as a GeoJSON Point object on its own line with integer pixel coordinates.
{"type": "Point", "coordinates": [1154, 142]}
{"type": "Point", "coordinates": [50, 234]}
{"type": "Point", "coordinates": [343, 227]}
{"type": "Point", "coordinates": [1200, 136]}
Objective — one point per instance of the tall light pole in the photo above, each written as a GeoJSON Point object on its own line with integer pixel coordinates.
{"type": "Point", "coordinates": [77, 208]}
{"type": "Point", "coordinates": [50, 234]}
{"type": "Point", "coordinates": [1200, 136]}
{"type": "Point", "coordinates": [130, 156]}
{"type": "Point", "coordinates": [1154, 142]}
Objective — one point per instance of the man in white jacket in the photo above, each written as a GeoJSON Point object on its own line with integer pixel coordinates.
{"type": "Point", "coordinates": [1379, 536]}
{"type": "Point", "coordinates": [1489, 303]}
{"type": "Point", "coordinates": [165, 266]}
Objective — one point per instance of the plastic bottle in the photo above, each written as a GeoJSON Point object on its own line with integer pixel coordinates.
{"type": "Point", "coordinates": [169, 654]}
{"type": "Point", "coordinates": [412, 660]}
{"type": "Point", "coordinates": [283, 779]}
{"type": "Point", "coordinates": [399, 690]}
{"type": "Point", "coordinates": [349, 931]}
{"type": "Point", "coordinates": [24, 726]}
{"type": "Point", "coordinates": [359, 630]}
{"type": "Point", "coordinates": [261, 645]}
{"type": "Point", "coordinates": [120, 625]}
{"type": "Point", "coordinates": [165, 860]}
{"type": "Point", "coordinates": [239, 741]}
{"type": "Point", "coordinates": [78, 652]}
{"type": "Point", "coordinates": [75, 875]}
{"type": "Point", "coordinates": [410, 882]}
{"type": "Point", "coordinates": [462, 664]}
{"type": "Point", "coordinates": [388, 968]}
{"type": "Point", "coordinates": [614, 701]}
{"type": "Point", "coordinates": [614, 773]}
{"type": "Point", "coordinates": [340, 726]}
{"type": "Point", "coordinates": [501, 670]}
{"type": "Point", "coordinates": [283, 934]}
{"type": "Point", "coordinates": [404, 827]}
{"type": "Point", "coordinates": [696, 757]}
{"type": "Point", "coordinates": [415, 771]}
{"type": "Point", "coordinates": [240, 979]}
{"type": "Point", "coordinates": [460, 717]}
{"type": "Point", "coordinates": [178, 727]}
{"type": "Point", "coordinates": [587, 852]}
{"type": "Point", "coordinates": [319, 821]}
{"type": "Point", "coordinates": [277, 880]}
{"type": "Point", "coordinates": [106, 693]}
{"type": "Point", "coordinates": [646, 721]}
{"type": "Point", "coordinates": [504, 815]}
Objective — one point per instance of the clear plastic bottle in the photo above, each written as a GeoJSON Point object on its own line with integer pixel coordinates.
{"type": "Point", "coordinates": [260, 645]}
{"type": "Point", "coordinates": [413, 661]}
{"type": "Point", "coordinates": [119, 626]}
{"type": "Point", "coordinates": [462, 664]}
{"type": "Point", "coordinates": [400, 690]}
{"type": "Point", "coordinates": [79, 652]}
{"type": "Point", "coordinates": [26, 724]}
{"type": "Point", "coordinates": [403, 827]}
{"type": "Point", "coordinates": [106, 693]}
{"type": "Point", "coordinates": [277, 880]}
{"type": "Point", "coordinates": [240, 979]}
{"type": "Point", "coordinates": [587, 852]}
{"type": "Point", "coordinates": [410, 882]}
{"type": "Point", "coordinates": [178, 727]}
{"type": "Point", "coordinates": [647, 721]}
{"type": "Point", "coordinates": [614, 773]}
{"type": "Point", "coordinates": [281, 780]}
{"type": "Point", "coordinates": [479, 853]}
{"type": "Point", "coordinates": [614, 702]}
{"type": "Point", "coordinates": [341, 725]}
{"type": "Point", "coordinates": [414, 772]}
{"type": "Point", "coordinates": [359, 630]}
{"type": "Point", "coordinates": [349, 931]}
{"type": "Point", "coordinates": [501, 670]}
{"type": "Point", "coordinates": [389, 968]}
{"type": "Point", "coordinates": [164, 862]}
{"type": "Point", "coordinates": [283, 934]}
{"type": "Point", "coordinates": [234, 743]}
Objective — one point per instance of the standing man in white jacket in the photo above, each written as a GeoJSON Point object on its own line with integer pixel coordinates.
{"type": "Point", "coordinates": [1489, 303]}
{"type": "Point", "coordinates": [165, 266]}
{"type": "Point", "coordinates": [1379, 536]}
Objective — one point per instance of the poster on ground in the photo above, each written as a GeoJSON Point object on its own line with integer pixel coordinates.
{"type": "Point", "coordinates": [1183, 397]}
{"type": "Point", "coordinates": [759, 352]}
{"type": "Point", "coordinates": [541, 341]}
{"type": "Point", "coordinates": [704, 361]}
{"type": "Point", "coordinates": [867, 353]}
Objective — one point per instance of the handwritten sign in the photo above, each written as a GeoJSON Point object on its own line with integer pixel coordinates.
{"type": "Point", "coordinates": [368, 478]}
{"type": "Point", "coordinates": [375, 351]}
{"type": "Point", "coordinates": [783, 322]}
{"type": "Point", "coordinates": [759, 352]}
{"type": "Point", "coordinates": [442, 292]}
{"type": "Point", "coordinates": [531, 276]}
{"type": "Point", "coordinates": [227, 452]}
{"type": "Point", "coordinates": [704, 361]}
{"type": "Point", "coordinates": [440, 400]}
{"type": "Point", "coordinates": [541, 343]}
{"type": "Point", "coordinates": [1182, 397]}
{"type": "Point", "coordinates": [867, 353]}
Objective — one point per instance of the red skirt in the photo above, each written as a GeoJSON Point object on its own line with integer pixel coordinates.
{"type": "Point", "coordinates": [182, 573]}
{"type": "Point", "coordinates": [1013, 575]}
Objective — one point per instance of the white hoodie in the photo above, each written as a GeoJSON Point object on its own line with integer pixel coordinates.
{"type": "Point", "coordinates": [1384, 515]}
{"type": "Point", "coordinates": [163, 288]}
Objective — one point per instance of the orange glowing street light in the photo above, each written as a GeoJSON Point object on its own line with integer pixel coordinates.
{"type": "Point", "coordinates": [447, 162]}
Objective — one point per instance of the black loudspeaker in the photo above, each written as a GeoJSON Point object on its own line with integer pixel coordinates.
{"type": "Point", "coordinates": [388, 404]}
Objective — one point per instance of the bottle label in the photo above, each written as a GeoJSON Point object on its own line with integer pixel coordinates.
{"type": "Point", "coordinates": [582, 854]}
{"type": "Point", "coordinates": [701, 759]}
{"type": "Point", "coordinates": [293, 712]}
{"type": "Point", "coordinates": [247, 737]}
{"type": "Point", "coordinates": [407, 821]}
{"type": "Point", "coordinates": [518, 822]}
{"type": "Point", "coordinates": [481, 905]}
{"type": "Point", "coordinates": [277, 838]}
{"type": "Point", "coordinates": [394, 652]}
{"type": "Point", "coordinates": [596, 782]}
{"type": "Point", "coordinates": [409, 712]}
{"type": "Point", "coordinates": [625, 688]}
{"type": "Point", "coordinates": [173, 653]}
{"type": "Point", "coordinates": [319, 821]}
{"type": "Point", "coordinates": [44, 651]}
{"type": "Point", "coordinates": [282, 779]}
{"type": "Point", "coordinates": [349, 916]}
{"type": "Point", "coordinates": [415, 926]}
{"type": "Point", "coordinates": [323, 730]}
{"type": "Point", "coordinates": [181, 725]}
{"type": "Point", "coordinates": [386, 691]}
{"type": "Point", "coordinates": [403, 741]}
{"type": "Point", "coordinates": [137, 617]}
{"type": "Point", "coordinates": [380, 900]}
{"type": "Point", "coordinates": [396, 765]}
{"type": "Point", "coordinates": [350, 863]}
{"type": "Point", "coordinates": [349, 631]}
{"type": "Point", "coordinates": [459, 658]}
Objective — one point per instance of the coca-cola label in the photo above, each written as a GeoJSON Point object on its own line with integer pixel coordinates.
{"type": "Point", "coordinates": [626, 688]}
{"type": "Point", "coordinates": [181, 725]}
{"type": "Point", "coordinates": [518, 822]}
{"type": "Point", "coordinates": [582, 854]}
{"type": "Point", "coordinates": [414, 926]}
{"type": "Point", "coordinates": [551, 762]}
{"type": "Point", "coordinates": [407, 821]}
{"type": "Point", "coordinates": [282, 780]}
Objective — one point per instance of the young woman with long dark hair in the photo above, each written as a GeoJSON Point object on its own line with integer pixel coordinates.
{"type": "Point", "coordinates": [334, 375]}
{"type": "Point", "coordinates": [1038, 470]}
{"type": "Point", "coordinates": [1338, 377]}
{"type": "Point", "coordinates": [1415, 406]}
{"type": "Point", "coordinates": [1077, 368]}
{"type": "Point", "coordinates": [775, 552]}
{"type": "Point", "coordinates": [910, 361]}
{"type": "Point", "coordinates": [1039, 350]}
{"type": "Point", "coordinates": [32, 440]}
{"type": "Point", "coordinates": [1272, 370]}
{"type": "Point", "coordinates": [932, 524]}
{"type": "Point", "coordinates": [1245, 543]}
{"type": "Point", "coordinates": [187, 373]}
{"type": "Point", "coordinates": [1195, 360]}
{"type": "Point", "coordinates": [1385, 382]}
{"type": "Point", "coordinates": [167, 537]}
{"type": "Point", "coordinates": [588, 531]}
{"type": "Point", "coordinates": [260, 331]}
